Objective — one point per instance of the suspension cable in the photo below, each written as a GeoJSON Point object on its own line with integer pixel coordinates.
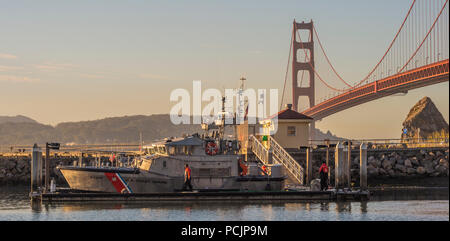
{"type": "Point", "coordinates": [328, 60]}
{"type": "Point", "coordinates": [287, 70]}
{"type": "Point", "coordinates": [315, 72]}
{"type": "Point", "coordinates": [390, 46]}
{"type": "Point", "coordinates": [423, 41]}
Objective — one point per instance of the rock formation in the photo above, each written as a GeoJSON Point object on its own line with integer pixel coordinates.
{"type": "Point", "coordinates": [424, 120]}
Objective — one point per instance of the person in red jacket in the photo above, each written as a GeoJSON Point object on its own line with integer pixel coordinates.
{"type": "Point", "coordinates": [323, 171]}
{"type": "Point", "coordinates": [187, 178]}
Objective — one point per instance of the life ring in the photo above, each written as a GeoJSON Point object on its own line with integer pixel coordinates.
{"type": "Point", "coordinates": [211, 148]}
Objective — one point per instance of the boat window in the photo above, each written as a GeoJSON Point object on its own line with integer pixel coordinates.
{"type": "Point", "coordinates": [164, 164]}
{"type": "Point", "coordinates": [172, 150]}
{"type": "Point", "coordinates": [162, 149]}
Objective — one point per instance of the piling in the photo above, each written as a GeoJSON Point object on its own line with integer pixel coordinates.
{"type": "Point", "coordinates": [338, 161]}
{"type": "Point", "coordinates": [36, 168]}
{"type": "Point", "coordinates": [80, 162]}
{"type": "Point", "coordinates": [47, 167]}
{"type": "Point", "coordinates": [327, 142]}
{"type": "Point", "coordinates": [349, 165]}
{"type": "Point", "coordinates": [309, 165]}
{"type": "Point", "coordinates": [344, 180]}
{"type": "Point", "coordinates": [363, 166]}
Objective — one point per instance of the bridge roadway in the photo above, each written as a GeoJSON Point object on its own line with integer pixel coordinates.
{"type": "Point", "coordinates": [400, 83]}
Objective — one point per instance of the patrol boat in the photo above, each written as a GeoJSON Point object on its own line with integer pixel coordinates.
{"type": "Point", "coordinates": [216, 165]}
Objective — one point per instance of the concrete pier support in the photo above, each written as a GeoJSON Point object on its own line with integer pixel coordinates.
{"type": "Point", "coordinates": [47, 168]}
{"type": "Point", "coordinates": [309, 165]}
{"type": "Point", "coordinates": [349, 165]}
{"type": "Point", "coordinates": [36, 168]}
{"type": "Point", "coordinates": [338, 169]}
{"type": "Point", "coordinates": [363, 166]}
{"type": "Point", "coordinates": [327, 158]}
{"type": "Point", "coordinates": [344, 180]}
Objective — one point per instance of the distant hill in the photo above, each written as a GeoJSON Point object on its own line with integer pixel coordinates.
{"type": "Point", "coordinates": [25, 131]}
{"type": "Point", "coordinates": [16, 119]}
{"type": "Point", "coordinates": [109, 130]}
{"type": "Point", "coordinates": [319, 135]}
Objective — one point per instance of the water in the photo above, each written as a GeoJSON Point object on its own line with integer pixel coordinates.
{"type": "Point", "coordinates": [15, 205]}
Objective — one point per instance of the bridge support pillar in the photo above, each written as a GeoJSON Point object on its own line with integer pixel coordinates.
{"type": "Point", "coordinates": [308, 65]}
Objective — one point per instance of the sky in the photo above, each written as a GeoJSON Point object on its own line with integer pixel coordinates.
{"type": "Point", "coordinates": [80, 60]}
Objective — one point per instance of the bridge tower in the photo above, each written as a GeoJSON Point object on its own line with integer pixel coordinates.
{"type": "Point", "coordinates": [297, 66]}
{"type": "Point", "coordinates": [308, 65]}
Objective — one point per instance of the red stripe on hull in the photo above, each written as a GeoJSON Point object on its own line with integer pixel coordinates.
{"type": "Point", "coordinates": [115, 181]}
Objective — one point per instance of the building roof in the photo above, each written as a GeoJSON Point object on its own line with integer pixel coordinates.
{"type": "Point", "coordinates": [289, 114]}
{"type": "Point", "coordinates": [188, 141]}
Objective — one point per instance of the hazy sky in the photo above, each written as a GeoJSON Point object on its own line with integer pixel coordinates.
{"type": "Point", "coordinates": [84, 60]}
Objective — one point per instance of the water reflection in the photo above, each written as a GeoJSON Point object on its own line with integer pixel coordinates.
{"type": "Point", "coordinates": [364, 207]}
{"type": "Point", "coordinates": [15, 205]}
{"type": "Point", "coordinates": [325, 206]}
{"type": "Point", "coordinates": [343, 207]}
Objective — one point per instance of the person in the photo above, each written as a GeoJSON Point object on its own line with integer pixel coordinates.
{"type": "Point", "coordinates": [264, 170]}
{"type": "Point", "coordinates": [323, 171]}
{"type": "Point", "coordinates": [187, 178]}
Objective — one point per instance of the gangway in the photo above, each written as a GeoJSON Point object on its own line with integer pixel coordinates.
{"type": "Point", "coordinates": [279, 155]}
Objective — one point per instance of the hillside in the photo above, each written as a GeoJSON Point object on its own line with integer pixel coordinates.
{"type": "Point", "coordinates": [16, 119]}
{"type": "Point", "coordinates": [109, 130]}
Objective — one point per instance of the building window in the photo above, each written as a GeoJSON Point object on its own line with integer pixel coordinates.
{"type": "Point", "coordinates": [291, 130]}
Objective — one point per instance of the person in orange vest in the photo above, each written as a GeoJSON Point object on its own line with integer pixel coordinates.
{"type": "Point", "coordinates": [323, 171]}
{"type": "Point", "coordinates": [264, 172]}
{"type": "Point", "coordinates": [187, 178]}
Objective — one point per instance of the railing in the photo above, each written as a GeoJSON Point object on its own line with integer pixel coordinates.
{"type": "Point", "coordinates": [279, 156]}
{"type": "Point", "coordinates": [283, 157]}
{"type": "Point", "coordinates": [259, 150]}
{"type": "Point", "coordinates": [390, 143]}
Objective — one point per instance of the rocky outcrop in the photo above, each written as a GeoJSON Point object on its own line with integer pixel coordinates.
{"type": "Point", "coordinates": [424, 120]}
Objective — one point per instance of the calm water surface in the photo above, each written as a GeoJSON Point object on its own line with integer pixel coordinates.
{"type": "Point", "coordinates": [15, 205]}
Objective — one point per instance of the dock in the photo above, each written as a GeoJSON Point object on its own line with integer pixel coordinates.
{"type": "Point", "coordinates": [243, 196]}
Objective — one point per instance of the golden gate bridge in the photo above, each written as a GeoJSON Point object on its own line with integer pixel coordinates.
{"type": "Point", "coordinates": [416, 57]}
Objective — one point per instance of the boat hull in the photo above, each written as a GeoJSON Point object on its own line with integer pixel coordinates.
{"type": "Point", "coordinates": [129, 180]}
{"type": "Point", "coordinates": [118, 180]}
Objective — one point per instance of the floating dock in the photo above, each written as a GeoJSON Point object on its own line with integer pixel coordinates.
{"type": "Point", "coordinates": [204, 196]}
